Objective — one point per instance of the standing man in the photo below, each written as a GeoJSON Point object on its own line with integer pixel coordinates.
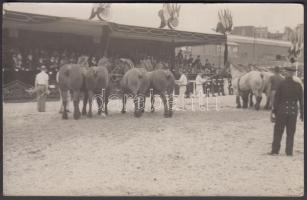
{"type": "Point", "coordinates": [275, 81]}
{"type": "Point", "coordinates": [41, 87]}
{"type": "Point", "coordinates": [182, 83]}
{"type": "Point", "coordinates": [285, 111]}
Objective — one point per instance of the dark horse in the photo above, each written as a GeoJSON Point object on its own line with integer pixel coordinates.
{"type": "Point", "coordinates": [135, 82]}
{"type": "Point", "coordinates": [163, 83]}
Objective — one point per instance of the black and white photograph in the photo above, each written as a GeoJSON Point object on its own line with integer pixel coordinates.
{"type": "Point", "coordinates": [153, 99]}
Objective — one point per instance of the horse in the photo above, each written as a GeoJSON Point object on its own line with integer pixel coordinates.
{"type": "Point", "coordinates": [266, 90]}
{"type": "Point", "coordinates": [163, 83]}
{"type": "Point", "coordinates": [96, 83]}
{"type": "Point", "coordinates": [244, 83]}
{"type": "Point", "coordinates": [71, 79]}
{"type": "Point", "coordinates": [136, 82]}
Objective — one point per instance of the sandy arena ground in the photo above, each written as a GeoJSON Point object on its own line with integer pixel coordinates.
{"type": "Point", "coordinates": [198, 153]}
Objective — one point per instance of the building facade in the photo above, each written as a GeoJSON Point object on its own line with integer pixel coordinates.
{"type": "Point", "coordinates": [245, 51]}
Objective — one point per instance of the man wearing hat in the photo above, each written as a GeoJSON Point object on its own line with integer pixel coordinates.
{"type": "Point", "coordinates": [41, 87]}
{"type": "Point", "coordinates": [285, 111]}
{"type": "Point", "coordinates": [275, 81]}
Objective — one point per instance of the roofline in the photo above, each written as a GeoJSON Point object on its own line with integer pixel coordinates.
{"type": "Point", "coordinates": [251, 40]}
{"type": "Point", "coordinates": [199, 38]}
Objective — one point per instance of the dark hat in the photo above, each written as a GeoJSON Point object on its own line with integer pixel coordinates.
{"type": "Point", "coordinates": [290, 68]}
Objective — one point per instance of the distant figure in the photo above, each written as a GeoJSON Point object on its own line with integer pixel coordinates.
{"type": "Point", "coordinates": [197, 63]}
{"type": "Point", "coordinates": [207, 64]}
{"type": "Point", "coordinates": [41, 88]}
{"type": "Point", "coordinates": [275, 81]}
{"type": "Point", "coordinates": [199, 91]}
{"type": "Point", "coordinates": [190, 60]}
{"type": "Point", "coordinates": [180, 56]}
{"type": "Point", "coordinates": [285, 111]}
{"type": "Point", "coordinates": [182, 83]}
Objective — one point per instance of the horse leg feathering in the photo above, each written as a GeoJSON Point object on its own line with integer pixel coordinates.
{"type": "Point", "coordinates": [137, 112]}
{"type": "Point", "coordinates": [77, 113]}
{"type": "Point", "coordinates": [124, 100]}
{"type": "Point", "coordinates": [85, 99]}
{"type": "Point", "coordinates": [170, 100]}
{"type": "Point", "coordinates": [152, 100]}
{"type": "Point", "coordinates": [90, 101]}
{"type": "Point", "coordinates": [105, 97]}
{"type": "Point", "coordinates": [64, 102]}
{"type": "Point", "coordinates": [238, 101]}
{"type": "Point", "coordinates": [258, 101]}
{"type": "Point", "coordinates": [164, 100]}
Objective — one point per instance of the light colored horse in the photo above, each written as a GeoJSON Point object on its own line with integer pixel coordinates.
{"type": "Point", "coordinates": [71, 79]}
{"type": "Point", "coordinates": [135, 82]}
{"type": "Point", "coordinates": [267, 87]}
{"type": "Point", "coordinates": [163, 83]}
{"type": "Point", "coordinates": [245, 82]}
{"type": "Point", "coordinates": [96, 83]}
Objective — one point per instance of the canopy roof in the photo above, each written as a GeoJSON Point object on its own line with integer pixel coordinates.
{"type": "Point", "coordinates": [35, 22]}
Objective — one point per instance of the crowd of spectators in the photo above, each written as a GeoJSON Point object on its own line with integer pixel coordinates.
{"type": "Point", "coordinates": [193, 65]}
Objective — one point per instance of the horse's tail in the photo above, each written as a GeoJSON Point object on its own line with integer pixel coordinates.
{"type": "Point", "coordinates": [168, 74]}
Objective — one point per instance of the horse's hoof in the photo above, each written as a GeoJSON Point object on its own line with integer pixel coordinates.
{"type": "Point", "coordinates": [77, 115]}
{"type": "Point", "coordinates": [152, 110]}
{"type": "Point", "coordinates": [83, 112]}
{"type": "Point", "coordinates": [257, 107]}
{"type": "Point", "coordinates": [99, 112]}
{"type": "Point", "coordinates": [89, 115]}
{"type": "Point", "coordinates": [238, 106]}
{"type": "Point", "coordinates": [166, 115]}
{"type": "Point", "coordinates": [170, 113]}
{"type": "Point", "coordinates": [64, 116]}
{"type": "Point", "coordinates": [123, 111]}
{"type": "Point", "coordinates": [137, 114]}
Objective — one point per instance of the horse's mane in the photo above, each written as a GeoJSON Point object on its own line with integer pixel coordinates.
{"type": "Point", "coordinates": [238, 70]}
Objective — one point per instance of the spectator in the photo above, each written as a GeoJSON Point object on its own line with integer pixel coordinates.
{"type": "Point", "coordinates": [190, 61]}
{"type": "Point", "coordinates": [197, 64]}
{"type": "Point", "coordinates": [179, 57]}
{"type": "Point", "coordinates": [207, 64]}
{"type": "Point", "coordinates": [182, 83]}
{"type": "Point", "coordinates": [41, 88]}
{"type": "Point", "coordinates": [199, 85]}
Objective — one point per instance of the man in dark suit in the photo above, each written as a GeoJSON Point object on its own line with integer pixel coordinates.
{"type": "Point", "coordinates": [285, 111]}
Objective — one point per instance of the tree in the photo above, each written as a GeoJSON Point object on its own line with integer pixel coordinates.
{"type": "Point", "coordinates": [296, 37]}
{"type": "Point", "coordinates": [224, 26]}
